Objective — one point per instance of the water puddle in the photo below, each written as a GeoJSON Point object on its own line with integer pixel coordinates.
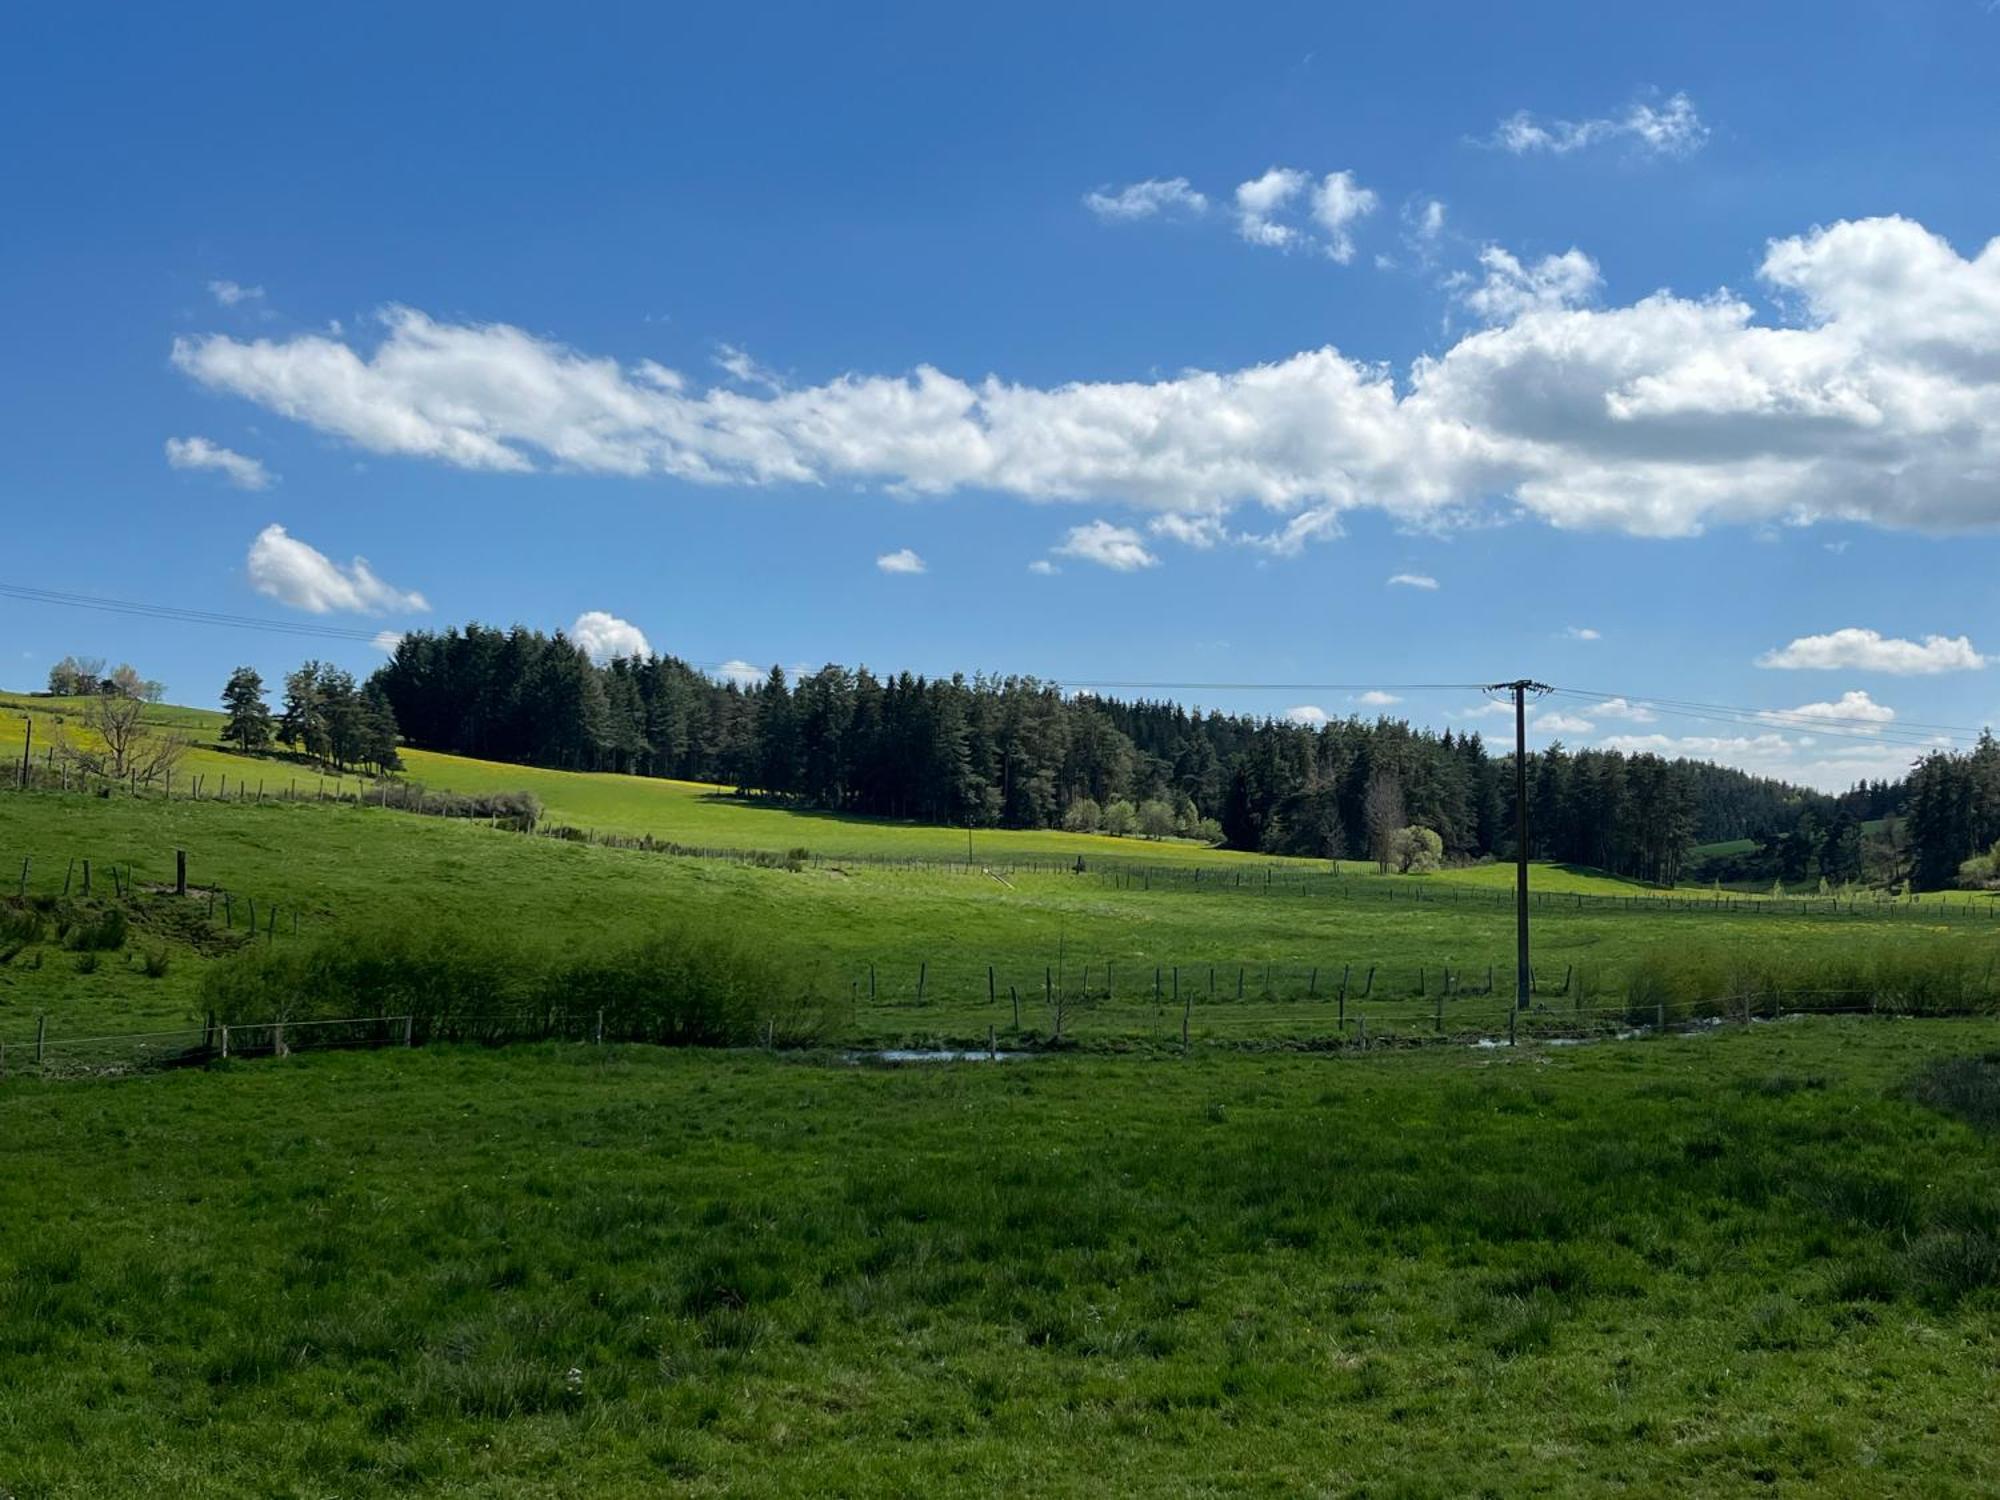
{"type": "Point", "coordinates": [937, 1055]}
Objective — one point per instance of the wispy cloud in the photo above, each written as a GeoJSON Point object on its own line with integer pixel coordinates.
{"type": "Point", "coordinates": [1154, 197]}
{"type": "Point", "coordinates": [297, 574]}
{"type": "Point", "coordinates": [1412, 581]}
{"type": "Point", "coordinates": [231, 294]}
{"type": "Point", "coordinates": [1580, 633]}
{"type": "Point", "coordinates": [1856, 649]}
{"type": "Point", "coordinates": [1560, 723]}
{"type": "Point", "coordinates": [1118, 548]}
{"type": "Point", "coordinates": [1669, 128]}
{"type": "Point", "coordinates": [199, 453]}
{"type": "Point", "coordinates": [1622, 708]}
{"type": "Point", "coordinates": [1376, 698]}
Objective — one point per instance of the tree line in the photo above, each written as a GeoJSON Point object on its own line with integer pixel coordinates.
{"type": "Point", "coordinates": [1020, 752]}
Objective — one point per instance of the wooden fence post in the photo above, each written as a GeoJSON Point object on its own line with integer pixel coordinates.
{"type": "Point", "coordinates": [180, 872]}
{"type": "Point", "coordinates": [409, 1031]}
{"type": "Point", "coordinates": [989, 984]}
{"type": "Point", "coordinates": [41, 1039]}
{"type": "Point", "coordinates": [1014, 992]}
{"type": "Point", "coordinates": [922, 970]}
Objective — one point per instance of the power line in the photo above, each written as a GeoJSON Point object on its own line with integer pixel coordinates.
{"type": "Point", "coordinates": [189, 616]}
{"type": "Point", "coordinates": [1649, 701]}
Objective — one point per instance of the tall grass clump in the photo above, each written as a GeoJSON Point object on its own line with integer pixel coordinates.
{"type": "Point", "coordinates": [671, 988]}
{"type": "Point", "coordinates": [1908, 977]}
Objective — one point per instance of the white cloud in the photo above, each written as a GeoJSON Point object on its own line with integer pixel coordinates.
{"type": "Point", "coordinates": [386, 641]}
{"type": "Point", "coordinates": [1259, 199]}
{"type": "Point", "coordinates": [200, 453]}
{"type": "Point", "coordinates": [1116, 547]}
{"type": "Point", "coordinates": [293, 573]}
{"type": "Point", "coordinates": [1376, 698]}
{"type": "Point", "coordinates": [737, 365]}
{"type": "Point", "coordinates": [1672, 128]}
{"type": "Point", "coordinates": [1492, 708]}
{"type": "Point", "coordinates": [902, 560]}
{"type": "Point", "coordinates": [1580, 633]}
{"type": "Point", "coordinates": [741, 672]}
{"type": "Point", "coordinates": [604, 636]}
{"type": "Point", "coordinates": [1878, 401]}
{"type": "Point", "coordinates": [1511, 289]}
{"type": "Point", "coordinates": [1197, 531]}
{"type": "Point", "coordinates": [1854, 649]}
{"type": "Point", "coordinates": [1307, 713]}
{"type": "Point", "coordinates": [1146, 200]}
{"type": "Point", "coordinates": [1412, 581]}
{"type": "Point", "coordinates": [1337, 204]}
{"type": "Point", "coordinates": [1854, 711]}
{"type": "Point", "coordinates": [229, 294]}
{"type": "Point", "coordinates": [1043, 568]}
{"type": "Point", "coordinates": [1619, 708]}
{"type": "Point", "coordinates": [1563, 724]}
{"type": "Point", "coordinates": [1831, 767]}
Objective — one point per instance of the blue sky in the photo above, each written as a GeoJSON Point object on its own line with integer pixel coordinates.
{"type": "Point", "coordinates": [1162, 338]}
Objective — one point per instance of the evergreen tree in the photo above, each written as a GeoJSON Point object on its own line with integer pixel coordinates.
{"type": "Point", "coordinates": [249, 723]}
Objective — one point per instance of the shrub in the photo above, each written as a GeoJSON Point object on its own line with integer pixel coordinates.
{"type": "Point", "coordinates": [1083, 815]}
{"type": "Point", "coordinates": [96, 932]}
{"type": "Point", "coordinates": [1924, 977]}
{"type": "Point", "coordinates": [1968, 1087]}
{"type": "Point", "coordinates": [1416, 851]}
{"type": "Point", "coordinates": [670, 988]}
{"type": "Point", "coordinates": [1120, 818]}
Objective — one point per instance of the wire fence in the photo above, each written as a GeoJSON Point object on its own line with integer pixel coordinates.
{"type": "Point", "coordinates": [1062, 1024]}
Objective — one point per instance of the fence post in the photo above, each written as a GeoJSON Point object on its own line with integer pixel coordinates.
{"type": "Point", "coordinates": [1439, 1023]}
{"type": "Point", "coordinates": [989, 984]}
{"type": "Point", "coordinates": [225, 1041]}
{"type": "Point", "coordinates": [180, 872]}
{"type": "Point", "coordinates": [1512, 1012]}
{"type": "Point", "coordinates": [409, 1031]}
{"type": "Point", "coordinates": [278, 1039]}
{"type": "Point", "coordinates": [1187, 1013]}
{"type": "Point", "coordinates": [41, 1039]}
{"type": "Point", "coordinates": [600, 1026]}
{"type": "Point", "coordinates": [922, 970]}
{"type": "Point", "coordinates": [1014, 993]}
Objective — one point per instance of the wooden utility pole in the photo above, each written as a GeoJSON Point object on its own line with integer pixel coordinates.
{"type": "Point", "coordinates": [1523, 980]}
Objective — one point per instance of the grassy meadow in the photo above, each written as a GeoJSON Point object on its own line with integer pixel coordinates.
{"type": "Point", "coordinates": [906, 951]}
{"type": "Point", "coordinates": [1739, 1264]}
{"type": "Point", "coordinates": [1767, 1256]}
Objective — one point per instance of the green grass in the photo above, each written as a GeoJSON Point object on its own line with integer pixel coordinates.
{"type": "Point", "coordinates": [343, 869]}
{"type": "Point", "coordinates": [1735, 1265]}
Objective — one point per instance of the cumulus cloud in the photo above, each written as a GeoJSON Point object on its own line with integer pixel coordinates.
{"type": "Point", "coordinates": [1261, 199]}
{"type": "Point", "coordinates": [604, 636]}
{"type": "Point", "coordinates": [902, 560]}
{"type": "Point", "coordinates": [1307, 713]}
{"type": "Point", "coordinates": [1853, 711]}
{"type": "Point", "coordinates": [1855, 649]}
{"type": "Point", "coordinates": [1511, 288]}
{"type": "Point", "coordinates": [1560, 723]}
{"type": "Point", "coordinates": [1146, 200]}
{"type": "Point", "coordinates": [1580, 633]}
{"type": "Point", "coordinates": [294, 573]}
{"type": "Point", "coordinates": [1376, 698]}
{"type": "Point", "coordinates": [1877, 400]}
{"type": "Point", "coordinates": [229, 293]}
{"type": "Point", "coordinates": [1266, 206]}
{"type": "Point", "coordinates": [1116, 547]}
{"type": "Point", "coordinates": [1670, 128]}
{"type": "Point", "coordinates": [1412, 581]}
{"type": "Point", "coordinates": [1337, 204]}
{"type": "Point", "coordinates": [199, 453]}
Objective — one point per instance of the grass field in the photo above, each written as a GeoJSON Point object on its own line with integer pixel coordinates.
{"type": "Point", "coordinates": [1734, 1265]}
{"type": "Point", "coordinates": [345, 870]}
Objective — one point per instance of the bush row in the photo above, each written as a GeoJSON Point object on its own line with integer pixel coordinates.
{"type": "Point", "coordinates": [668, 988]}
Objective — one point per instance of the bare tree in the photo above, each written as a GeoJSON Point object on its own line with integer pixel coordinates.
{"type": "Point", "coordinates": [1382, 811]}
{"type": "Point", "coordinates": [130, 746]}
